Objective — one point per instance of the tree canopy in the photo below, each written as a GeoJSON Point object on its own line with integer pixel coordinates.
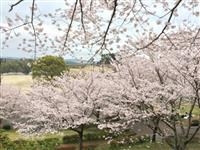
{"type": "Point", "coordinates": [47, 67]}
{"type": "Point", "coordinates": [16, 65]}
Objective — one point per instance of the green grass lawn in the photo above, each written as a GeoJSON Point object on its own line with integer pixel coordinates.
{"type": "Point", "coordinates": [186, 108]}
{"type": "Point", "coordinates": [102, 144]}
{"type": "Point", "coordinates": [13, 135]}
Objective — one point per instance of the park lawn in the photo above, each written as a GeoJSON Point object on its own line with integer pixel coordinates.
{"type": "Point", "coordinates": [24, 82]}
{"type": "Point", "coordinates": [90, 68]}
{"type": "Point", "coordinates": [14, 135]}
{"type": "Point", "coordinates": [20, 81]}
{"type": "Point", "coordinates": [186, 108]}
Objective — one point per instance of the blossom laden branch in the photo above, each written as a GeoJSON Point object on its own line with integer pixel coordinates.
{"type": "Point", "coordinates": [164, 28]}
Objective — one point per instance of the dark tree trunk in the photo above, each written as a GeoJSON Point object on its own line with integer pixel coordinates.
{"type": "Point", "coordinates": [156, 121]}
{"type": "Point", "coordinates": [180, 147]}
{"type": "Point", "coordinates": [153, 139]}
{"type": "Point", "coordinates": [176, 142]}
{"type": "Point", "coordinates": [81, 137]}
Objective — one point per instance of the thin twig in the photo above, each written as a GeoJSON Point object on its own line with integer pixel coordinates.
{"type": "Point", "coordinates": [33, 27]}
{"type": "Point", "coordinates": [15, 4]}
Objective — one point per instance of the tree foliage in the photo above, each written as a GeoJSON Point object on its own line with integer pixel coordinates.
{"type": "Point", "coordinates": [156, 84]}
{"type": "Point", "coordinates": [18, 65]}
{"type": "Point", "coordinates": [107, 58]}
{"type": "Point", "coordinates": [47, 67]}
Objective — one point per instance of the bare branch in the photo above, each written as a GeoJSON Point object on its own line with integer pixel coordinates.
{"type": "Point", "coordinates": [109, 24]}
{"type": "Point", "coordinates": [82, 21]}
{"type": "Point", "coordinates": [106, 32]}
{"type": "Point", "coordinates": [91, 3]}
{"type": "Point", "coordinates": [33, 27]}
{"type": "Point", "coordinates": [17, 26]}
{"type": "Point", "coordinates": [190, 117]}
{"type": "Point", "coordinates": [195, 132]}
{"type": "Point", "coordinates": [70, 24]}
{"type": "Point", "coordinates": [195, 37]}
{"type": "Point", "coordinates": [32, 10]}
{"type": "Point", "coordinates": [15, 4]}
{"type": "Point", "coordinates": [170, 40]}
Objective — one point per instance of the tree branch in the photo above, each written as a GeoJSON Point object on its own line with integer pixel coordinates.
{"type": "Point", "coordinates": [106, 32]}
{"type": "Point", "coordinates": [82, 21]}
{"type": "Point", "coordinates": [15, 4]}
{"type": "Point", "coordinates": [70, 24]}
{"type": "Point", "coordinates": [164, 28]}
{"type": "Point", "coordinates": [33, 27]}
{"type": "Point", "coordinates": [109, 24]}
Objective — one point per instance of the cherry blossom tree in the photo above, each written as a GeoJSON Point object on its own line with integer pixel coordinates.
{"type": "Point", "coordinates": [66, 103]}
{"type": "Point", "coordinates": [157, 83]}
{"type": "Point", "coordinates": [140, 97]}
{"type": "Point", "coordinates": [12, 102]}
{"type": "Point", "coordinates": [181, 66]}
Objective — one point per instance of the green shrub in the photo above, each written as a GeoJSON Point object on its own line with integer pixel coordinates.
{"type": "Point", "coordinates": [7, 127]}
{"type": "Point", "coordinates": [93, 136]}
{"type": "Point", "coordinates": [195, 122]}
{"type": "Point", "coordinates": [44, 144]}
{"type": "Point", "coordinates": [70, 139]}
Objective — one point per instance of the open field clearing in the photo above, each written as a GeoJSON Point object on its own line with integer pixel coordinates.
{"type": "Point", "coordinates": [24, 81]}
{"type": "Point", "coordinates": [90, 68]}
{"type": "Point", "coordinates": [21, 81]}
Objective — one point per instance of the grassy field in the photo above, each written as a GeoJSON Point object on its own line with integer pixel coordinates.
{"type": "Point", "coordinates": [13, 135]}
{"type": "Point", "coordinates": [24, 81]}
{"type": "Point", "coordinates": [21, 81]}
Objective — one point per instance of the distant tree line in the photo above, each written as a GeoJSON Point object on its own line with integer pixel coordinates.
{"type": "Point", "coordinates": [15, 65]}
{"type": "Point", "coordinates": [107, 58]}
{"type": "Point", "coordinates": [48, 62]}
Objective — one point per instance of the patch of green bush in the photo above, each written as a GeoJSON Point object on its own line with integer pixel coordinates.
{"type": "Point", "coordinates": [7, 127]}
{"type": "Point", "coordinates": [70, 139]}
{"type": "Point", "coordinates": [195, 123]}
{"type": "Point", "coordinates": [90, 136]}
{"type": "Point", "coordinates": [44, 144]}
